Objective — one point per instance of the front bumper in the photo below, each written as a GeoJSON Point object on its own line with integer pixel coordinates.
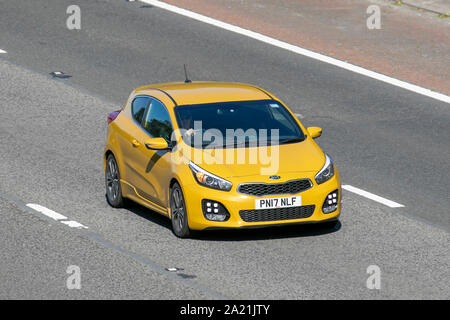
{"type": "Point", "coordinates": [235, 201]}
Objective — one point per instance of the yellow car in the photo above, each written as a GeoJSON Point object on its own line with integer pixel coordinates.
{"type": "Point", "coordinates": [218, 155]}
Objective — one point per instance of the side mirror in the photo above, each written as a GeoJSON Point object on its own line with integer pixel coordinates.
{"type": "Point", "coordinates": [314, 132]}
{"type": "Point", "coordinates": [156, 144]}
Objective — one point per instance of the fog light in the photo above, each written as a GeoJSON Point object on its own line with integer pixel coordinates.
{"type": "Point", "coordinates": [214, 211]}
{"type": "Point", "coordinates": [331, 202]}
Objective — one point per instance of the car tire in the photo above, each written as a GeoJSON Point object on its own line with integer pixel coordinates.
{"type": "Point", "coordinates": [112, 183]}
{"type": "Point", "coordinates": [178, 213]}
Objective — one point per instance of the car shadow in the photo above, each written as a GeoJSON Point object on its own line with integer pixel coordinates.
{"type": "Point", "coordinates": [268, 233]}
{"type": "Point", "coordinates": [148, 214]}
{"type": "Point", "coordinates": [245, 234]}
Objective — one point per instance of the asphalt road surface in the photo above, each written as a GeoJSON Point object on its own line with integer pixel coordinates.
{"type": "Point", "coordinates": [384, 139]}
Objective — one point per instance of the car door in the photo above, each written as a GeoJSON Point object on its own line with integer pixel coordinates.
{"type": "Point", "coordinates": [152, 168]}
{"type": "Point", "coordinates": [131, 141]}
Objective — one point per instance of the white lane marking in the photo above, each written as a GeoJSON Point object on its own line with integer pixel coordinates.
{"type": "Point", "coordinates": [299, 115]}
{"type": "Point", "coordinates": [74, 224]}
{"type": "Point", "coordinates": [2, 51]}
{"type": "Point", "coordinates": [55, 216]}
{"type": "Point", "coordinates": [45, 211]}
{"type": "Point", "coordinates": [372, 196]}
{"type": "Point", "coordinates": [299, 50]}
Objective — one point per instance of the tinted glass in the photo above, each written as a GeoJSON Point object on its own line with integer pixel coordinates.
{"type": "Point", "coordinates": [138, 108]}
{"type": "Point", "coordinates": [249, 116]}
{"type": "Point", "coordinates": [157, 121]}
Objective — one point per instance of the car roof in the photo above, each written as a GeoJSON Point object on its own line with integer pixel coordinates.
{"type": "Point", "coordinates": [207, 92]}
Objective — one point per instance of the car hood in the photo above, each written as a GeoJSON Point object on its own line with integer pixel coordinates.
{"type": "Point", "coordinates": [305, 156]}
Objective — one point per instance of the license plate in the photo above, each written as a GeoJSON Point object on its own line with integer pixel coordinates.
{"type": "Point", "coordinates": [284, 202]}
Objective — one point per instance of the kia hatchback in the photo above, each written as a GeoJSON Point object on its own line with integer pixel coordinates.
{"type": "Point", "coordinates": [218, 155]}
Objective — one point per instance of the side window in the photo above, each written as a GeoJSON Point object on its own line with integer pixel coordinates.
{"type": "Point", "coordinates": [138, 108]}
{"type": "Point", "coordinates": [157, 121]}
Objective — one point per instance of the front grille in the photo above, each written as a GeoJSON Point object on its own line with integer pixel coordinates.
{"type": "Point", "coordinates": [265, 189]}
{"type": "Point", "coordinates": [277, 214]}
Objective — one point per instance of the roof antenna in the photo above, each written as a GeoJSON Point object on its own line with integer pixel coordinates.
{"type": "Point", "coordinates": [185, 73]}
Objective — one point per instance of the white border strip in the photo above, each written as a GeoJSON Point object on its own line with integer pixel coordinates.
{"type": "Point", "coordinates": [299, 50]}
{"type": "Point", "coordinates": [372, 196]}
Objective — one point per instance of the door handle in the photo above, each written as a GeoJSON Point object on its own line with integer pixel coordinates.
{"type": "Point", "coordinates": [135, 143]}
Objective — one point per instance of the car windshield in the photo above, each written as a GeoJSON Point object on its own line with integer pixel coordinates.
{"type": "Point", "coordinates": [237, 124]}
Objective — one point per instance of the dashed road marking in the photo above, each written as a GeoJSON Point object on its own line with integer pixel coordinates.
{"type": "Point", "coordinates": [74, 224]}
{"type": "Point", "coordinates": [55, 216]}
{"type": "Point", "coordinates": [372, 196]}
{"type": "Point", "coordinates": [299, 50]}
{"type": "Point", "coordinates": [3, 51]}
{"type": "Point", "coordinates": [99, 239]}
{"type": "Point", "coordinates": [47, 212]}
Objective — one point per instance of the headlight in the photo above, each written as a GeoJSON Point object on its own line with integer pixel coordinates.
{"type": "Point", "coordinates": [208, 179]}
{"type": "Point", "coordinates": [327, 171]}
